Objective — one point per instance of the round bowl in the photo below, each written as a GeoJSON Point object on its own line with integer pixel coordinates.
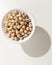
{"type": "Point", "coordinates": [28, 37]}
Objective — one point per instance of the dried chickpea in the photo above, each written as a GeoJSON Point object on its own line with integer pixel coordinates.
{"type": "Point", "coordinates": [25, 31]}
{"type": "Point", "coordinates": [22, 23]}
{"type": "Point", "coordinates": [5, 30]}
{"type": "Point", "coordinates": [22, 34]}
{"type": "Point", "coordinates": [17, 32]}
{"type": "Point", "coordinates": [30, 29]}
{"type": "Point", "coordinates": [9, 35]}
{"type": "Point", "coordinates": [13, 34]}
{"type": "Point", "coordinates": [21, 30]}
{"type": "Point", "coordinates": [23, 27]}
{"type": "Point", "coordinates": [18, 35]}
{"type": "Point", "coordinates": [15, 38]}
{"type": "Point", "coordinates": [20, 18]}
{"type": "Point", "coordinates": [12, 38]}
{"type": "Point", "coordinates": [27, 28]}
{"type": "Point", "coordinates": [21, 38]}
{"type": "Point", "coordinates": [18, 27]}
{"type": "Point", "coordinates": [12, 21]}
{"type": "Point", "coordinates": [25, 35]}
{"type": "Point", "coordinates": [29, 32]}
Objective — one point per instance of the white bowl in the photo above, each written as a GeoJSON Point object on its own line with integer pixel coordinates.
{"type": "Point", "coordinates": [27, 38]}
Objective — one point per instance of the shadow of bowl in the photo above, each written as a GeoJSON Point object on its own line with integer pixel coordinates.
{"type": "Point", "coordinates": [39, 43]}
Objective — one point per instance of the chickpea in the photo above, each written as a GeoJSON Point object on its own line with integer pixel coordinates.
{"type": "Point", "coordinates": [13, 14]}
{"type": "Point", "coordinates": [5, 29]}
{"type": "Point", "coordinates": [30, 29]}
{"type": "Point", "coordinates": [23, 26]}
{"type": "Point", "coordinates": [29, 32]}
{"type": "Point", "coordinates": [9, 32]}
{"type": "Point", "coordinates": [12, 37]}
{"type": "Point", "coordinates": [22, 23]}
{"type": "Point", "coordinates": [13, 34]}
{"type": "Point", "coordinates": [27, 28]}
{"type": "Point", "coordinates": [21, 38]}
{"type": "Point", "coordinates": [15, 38]}
{"type": "Point", "coordinates": [14, 27]}
{"type": "Point", "coordinates": [10, 17]}
{"type": "Point", "coordinates": [17, 32]}
{"type": "Point", "coordinates": [30, 24]}
{"type": "Point", "coordinates": [12, 21]}
{"type": "Point", "coordinates": [22, 34]}
{"type": "Point", "coordinates": [18, 35]}
{"type": "Point", "coordinates": [25, 35]}
{"type": "Point", "coordinates": [13, 31]}
{"type": "Point", "coordinates": [25, 31]}
{"type": "Point", "coordinates": [8, 35]}
{"type": "Point", "coordinates": [21, 30]}
{"type": "Point", "coordinates": [20, 18]}
{"type": "Point", "coordinates": [18, 27]}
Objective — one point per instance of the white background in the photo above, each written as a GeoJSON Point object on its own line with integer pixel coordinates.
{"type": "Point", "coordinates": [12, 54]}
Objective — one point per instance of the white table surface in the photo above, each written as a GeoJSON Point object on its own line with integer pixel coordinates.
{"type": "Point", "coordinates": [12, 54]}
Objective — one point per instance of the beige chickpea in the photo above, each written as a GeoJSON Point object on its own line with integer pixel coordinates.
{"type": "Point", "coordinates": [23, 16]}
{"type": "Point", "coordinates": [18, 27]}
{"type": "Point", "coordinates": [28, 20]}
{"type": "Point", "coordinates": [18, 15]}
{"type": "Point", "coordinates": [13, 14]}
{"type": "Point", "coordinates": [16, 19]}
{"type": "Point", "coordinates": [30, 29]}
{"type": "Point", "coordinates": [9, 32]}
{"type": "Point", "coordinates": [14, 27]}
{"type": "Point", "coordinates": [13, 31]}
{"type": "Point", "coordinates": [29, 32]}
{"type": "Point", "coordinates": [30, 24]}
{"type": "Point", "coordinates": [5, 22]}
{"type": "Point", "coordinates": [5, 29]}
{"type": "Point", "coordinates": [12, 34]}
{"type": "Point", "coordinates": [10, 17]}
{"type": "Point", "coordinates": [21, 30]}
{"type": "Point", "coordinates": [17, 32]}
{"type": "Point", "coordinates": [27, 28]}
{"type": "Point", "coordinates": [25, 23]}
{"type": "Point", "coordinates": [18, 35]}
{"type": "Point", "coordinates": [9, 24]}
{"type": "Point", "coordinates": [12, 21]}
{"type": "Point", "coordinates": [20, 18]}
{"type": "Point", "coordinates": [22, 23]}
{"type": "Point", "coordinates": [23, 26]}
{"type": "Point", "coordinates": [15, 38]}
{"type": "Point", "coordinates": [12, 38]}
{"type": "Point", "coordinates": [21, 38]}
{"type": "Point", "coordinates": [16, 12]}
{"type": "Point", "coordinates": [8, 35]}
{"type": "Point", "coordinates": [12, 24]}
{"type": "Point", "coordinates": [25, 31]}
{"type": "Point", "coordinates": [25, 35]}
{"type": "Point", "coordinates": [22, 33]}
{"type": "Point", "coordinates": [17, 24]}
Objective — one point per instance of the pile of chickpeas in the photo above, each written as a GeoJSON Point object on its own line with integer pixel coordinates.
{"type": "Point", "coordinates": [17, 25]}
